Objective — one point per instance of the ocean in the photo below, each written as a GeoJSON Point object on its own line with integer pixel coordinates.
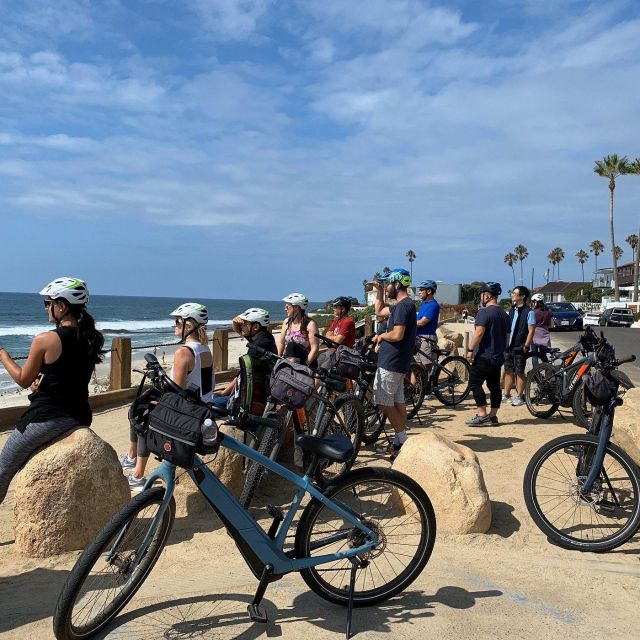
{"type": "Point", "coordinates": [145, 320]}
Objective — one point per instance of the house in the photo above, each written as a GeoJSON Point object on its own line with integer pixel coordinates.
{"type": "Point", "coordinates": [556, 291]}
{"type": "Point", "coordinates": [604, 277]}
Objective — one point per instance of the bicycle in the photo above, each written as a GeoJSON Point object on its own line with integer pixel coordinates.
{"type": "Point", "coordinates": [582, 491]}
{"type": "Point", "coordinates": [343, 416]}
{"type": "Point", "coordinates": [370, 521]}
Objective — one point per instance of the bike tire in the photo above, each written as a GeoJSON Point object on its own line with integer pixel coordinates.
{"type": "Point", "coordinates": [353, 417]}
{"type": "Point", "coordinates": [255, 471]}
{"type": "Point", "coordinates": [551, 484]}
{"type": "Point", "coordinates": [582, 409]}
{"type": "Point", "coordinates": [461, 374]}
{"type": "Point", "coordinates": [374, 422]}
{"type": "Point", "coordinates": [73, 591]}
{"type": "Point", "coordinates": [414, 393]}
{"type": "Point", "coordinates": [539, 375]}
{"type": "Point", "coordinates": [386, 499]}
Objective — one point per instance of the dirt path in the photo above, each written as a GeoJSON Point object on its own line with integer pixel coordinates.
{"type": "Point", "coordinates": [509, 583]}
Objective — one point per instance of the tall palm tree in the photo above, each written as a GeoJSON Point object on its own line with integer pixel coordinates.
{"type": "Point", "coordinates": [634, 168]}
{"type": "Point", "coordinates": [611, 167]}
{"type": "Point", "coordinates": [552, 259]}
{"type": "Point", "coordinates": [522, 252]}
{"type": "Point", "coordinates": [412, 256]}
{"type": "Point", "coordinates": [364, 288]}
{"type": "Point", "coordinates": [582, 256]}
{"type": "Point", "coordinates": [617, 254]}
{"type": "Point", "coordinates": [511, 259]}
{"type": "Point", "coordinates": [377, 275]}
{"type": "Point", "coordinates": [386, 270]}
{"type": "Point", "coordinates": [596, 247]}
{"type": "Point", "coordinates": [559, 258]}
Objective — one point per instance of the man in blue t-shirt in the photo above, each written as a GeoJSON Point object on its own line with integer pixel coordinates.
{"type": "Point", "coordinates": [427, 321]}
{"type": "Point", "coordinates": [395, 355]}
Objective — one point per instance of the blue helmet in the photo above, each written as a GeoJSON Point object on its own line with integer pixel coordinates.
{"type": "Point", "coordinates": [399, 275]}
{"type": "Point", "coordinates": [428, 284]}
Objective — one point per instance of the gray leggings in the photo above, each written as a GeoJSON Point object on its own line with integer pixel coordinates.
{"type": "Point", "coordinates": [141, 441]}
{"type": "Point", "coordinates": [21, 446]}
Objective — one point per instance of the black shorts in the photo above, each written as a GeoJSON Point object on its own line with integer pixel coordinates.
{"type": "Point", "coordinates": [514, 362]}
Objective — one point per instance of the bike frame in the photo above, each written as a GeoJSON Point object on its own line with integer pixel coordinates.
{"type": "Point", "coordinates": [572, 374]}
{"type": "Point", "coordinates": [256, 547]}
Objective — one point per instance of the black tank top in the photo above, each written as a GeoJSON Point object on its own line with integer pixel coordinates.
{"type": "Point", "coordinates": [64, 387]}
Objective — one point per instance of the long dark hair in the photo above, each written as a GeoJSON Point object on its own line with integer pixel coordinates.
{"type": "Point", "coordinates": [88, 336]}
{"type": "Point", "coordinates": [304, 320]}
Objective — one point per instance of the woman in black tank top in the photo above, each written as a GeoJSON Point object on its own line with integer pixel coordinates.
{"type": "Point", "coordinates": [58, 370]}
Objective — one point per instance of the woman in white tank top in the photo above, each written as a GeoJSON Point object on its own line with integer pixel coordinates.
{"type": "Point", "coordinates": [192, 364]}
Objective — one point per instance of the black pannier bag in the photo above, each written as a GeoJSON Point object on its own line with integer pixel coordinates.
{"type": "Point", "coordinates": [175, 429]}
{"type": "Point", "coordinates": [348, 362]}
{"type": "Point", "coordinates": [598, 389]}
{"type": "Point", "coordinates": [291, 383]}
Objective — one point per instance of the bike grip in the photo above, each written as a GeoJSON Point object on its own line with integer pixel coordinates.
{"type": "Point", "coordinates": [625, 360]}
{"type": "Point", "coordinates": [257, 421]}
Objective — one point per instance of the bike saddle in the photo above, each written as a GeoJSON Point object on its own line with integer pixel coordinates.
{"type": "Point", "coordinates": [334, 448]}
{"type": "Point", "coordinates": [442, 352]}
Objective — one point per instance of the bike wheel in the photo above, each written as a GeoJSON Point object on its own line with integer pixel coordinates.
{"type": "Point", "coordinates": [97, 589]}
{"type": "Point", "coordinates": [451, 384]}
{"type": "Point", "coordinates": [583, 411]}
{"type": "Point", "coordinates": [391, 504]}
{"type": "Point", "coordinates": [600, 521]}
{"type": "Point", "coordinates": [374, 422]}
{"type": "Point", "coordinates": [347, 421]}
{"type": "Point", "coordinates": [414, 392]}
{"type": "Point", "coordinates": [539, 391]}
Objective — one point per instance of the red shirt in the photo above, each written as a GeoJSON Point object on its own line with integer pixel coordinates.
{"type": "Point", "coordinates": [345, 327]}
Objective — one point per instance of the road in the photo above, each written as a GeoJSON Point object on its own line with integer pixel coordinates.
{"type": "Point", "coordinates": [625, 342]}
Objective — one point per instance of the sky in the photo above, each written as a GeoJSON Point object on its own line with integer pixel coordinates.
{"type": "Point", "coordinates": [250, 148]}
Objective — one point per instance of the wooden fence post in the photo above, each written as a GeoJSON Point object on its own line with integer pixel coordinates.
{"type": "Point", "coordinates": [120, 363]}
{"type": "Point", "coordinates": [221, 349]}
{"type": "Point", "coordinates": [368, 326]}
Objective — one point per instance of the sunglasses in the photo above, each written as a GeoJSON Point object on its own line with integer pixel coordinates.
{"type": "Point", "coordinates": [47, 303]}
{"type": "Point", "coordinates": [179, 322]}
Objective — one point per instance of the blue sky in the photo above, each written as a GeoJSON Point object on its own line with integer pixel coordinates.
{"type": "Point", "coordinates": [249, 148]}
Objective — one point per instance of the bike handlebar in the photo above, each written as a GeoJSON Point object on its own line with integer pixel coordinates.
{"type": "Point", "coordinates": [328, 341]}
{"type": "Point", "coordinates": [625, 360]}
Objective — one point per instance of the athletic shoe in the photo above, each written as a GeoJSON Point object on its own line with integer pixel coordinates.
{"type": "Point", "coordinates": [478, 420]}
{"type": "Point", "coordinates": [126, 462]}
{"type": "Point", "coordinates": [505, 397]}
{"type": "Point", "coordinates": [137, 484]}
{"type": "Point", "coordinates": [517, 402]}
{"type": "Point", "coordinates": [494, 420]}
{"type": "Point", "coordinates": [389, 451]}
{"type": "Point", "coordinates": [298, 456]}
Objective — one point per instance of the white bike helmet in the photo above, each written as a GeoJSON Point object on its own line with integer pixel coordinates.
{"type": "Point", "coordinates": [73, 290]}
{"type": "Point", "coordinates": [537, 297]}
{"type": "Point", "coordinates": [298, 299]}
{"type": "Point", "coordinates": [193, 311]}
{"type": "Point", "coordinates": [261, 316]}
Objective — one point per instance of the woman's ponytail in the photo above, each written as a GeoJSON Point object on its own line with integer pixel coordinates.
{"type": "Point", "coordinates": [88, 335]}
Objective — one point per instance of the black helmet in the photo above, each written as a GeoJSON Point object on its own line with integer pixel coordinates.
{"type": "Point", "coordinates": [493, 288]}
{"type": "Point", "coordinates": [344, 302]}
{"type": "Point", "coordinates": [598, 389]}
{"type": "Point", "coordinates": [140, 408]}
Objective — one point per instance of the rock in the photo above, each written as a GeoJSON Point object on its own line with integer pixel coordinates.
{"type": "Point", "coordinates": [451, 475]}
{"type": "Point", "coordinates": [66, 493]}
{"type": "Point", "coordinates": [447, 334]}
{"type": "Point", "coordinates": [626, 424]}
{"type": "Point", "coordinates": [226, 464]}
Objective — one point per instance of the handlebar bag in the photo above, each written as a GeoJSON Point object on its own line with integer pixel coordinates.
{"type": "Point", "coordinates": [598, 388]}
{"type": "Point", "coordinates": [348, 362]}
{"type": "Point", "coordinates": [175, 429]}
{"type": "Point", "coordinates": [291, 383]}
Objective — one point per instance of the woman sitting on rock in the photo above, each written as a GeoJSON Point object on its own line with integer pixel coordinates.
{"type": "Point", "coordinates": [192, 365]}
{"type": "Point", "coordinates": [58, 370]}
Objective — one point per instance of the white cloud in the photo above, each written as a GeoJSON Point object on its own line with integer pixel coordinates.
{"type": "Point", "coordinates": [232, 19]}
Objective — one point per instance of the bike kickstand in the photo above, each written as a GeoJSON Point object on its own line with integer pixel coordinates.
{"type": "Point", "coordinates": [356, 564]}
{"type": "Point", "coordinates": [255, 613]}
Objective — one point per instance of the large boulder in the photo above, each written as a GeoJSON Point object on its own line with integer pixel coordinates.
{"type": "Point", "coordinates": [225, 464]}
{"type": "Point", "coordinates": [626, 424]}
{"type": "Point", "coordinates": [451, 475]}
{"type": "Point", "coordinates": [66, 493]}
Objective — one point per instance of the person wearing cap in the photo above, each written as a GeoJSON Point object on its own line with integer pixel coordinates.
{"type": "Point", "coordinates": [58, 371]}
{"type": "Point", "coordinates": [522, 321]}
{"type": "Point", "coordinates": [253, 326]}
{"type": "Point", "coordinates": [343, 328]}
{"type": "Point", "coordinates": [486, 354]}
{"type": "Point", "coordinates": [395, 354]}
{"type": "Point", "coordinates": [427, 320]}
{"type": "Point", "coordinates": [192, 365]}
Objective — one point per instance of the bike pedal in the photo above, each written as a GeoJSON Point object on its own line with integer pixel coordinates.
{"type": "Point", "coordinates": [606, 505]}
{"type": "Point", "coordinates": [278, 517]}
{"type": "Point", "coordinates": [256, 614]}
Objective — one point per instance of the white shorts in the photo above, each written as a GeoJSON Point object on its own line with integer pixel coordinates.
{"type": "Point", "coordinates": [426, 344]}
{"type": "Point", "coordinates": [388, 388]}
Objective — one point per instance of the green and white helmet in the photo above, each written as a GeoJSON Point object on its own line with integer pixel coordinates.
{"type": "Point", "coordinates": [255, 314]}
{"type": "Point", "coordinates": [73, 290]}
{"type": "Point", "coordinates": [192, 310]}
{"type": "Point", "coordinates": [298, 299]}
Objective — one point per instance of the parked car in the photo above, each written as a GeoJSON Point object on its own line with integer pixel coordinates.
{"type": "Point", "coordinates": [566, 317]}
{"type": "Point", "coordinates": [591, 318]}
{"type": "Point", "coordinates": [616, 317]}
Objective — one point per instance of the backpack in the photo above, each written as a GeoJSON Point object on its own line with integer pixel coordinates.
{"type": "Point", "coordinates": [252, 387]}
{"type": "Point", "coordinates": [291, 383]}
{"type": "Point", "coordinates": [348, 362]}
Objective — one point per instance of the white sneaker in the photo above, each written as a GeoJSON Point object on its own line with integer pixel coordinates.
{"type": "Point", "coordinates": [126, 462]}
{"type": "Point", "coordinates": [137, 484]}
{"type": "Point", "coordinates": [505, 397]}
{"type": "Point", "coordinates": [517, 402]}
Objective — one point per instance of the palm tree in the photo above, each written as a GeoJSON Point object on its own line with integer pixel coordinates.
{"type": "Point", "coordinates": [596, 247]}
{"type": "Point", "coordinates": [511, 259]}
{"type": "Point", "coordinates": [611, 167]}
{"type": "Point", "coordinates": [377, 275]}
{"type": "Point", "coordinates": [632, 241]}
{"type": "Point", "coordinates": [364, 287]}
{"type": "Point", "coordinates": [386, 270]}
{"type": "Point", "coordinates": [552, 259]}
{"type": "Point", "coordinates": [522, 252]}
{"type": "Point", "coordinates": [634, 168]}
{"type": "Point", "coordinates": [412, 256]}
{"type": "Point", "coordinates": [582, 256]}
{"type": "Point", "coordinates": [559, 257]}
{"type": "Point", "coordinates": [617, 254]}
